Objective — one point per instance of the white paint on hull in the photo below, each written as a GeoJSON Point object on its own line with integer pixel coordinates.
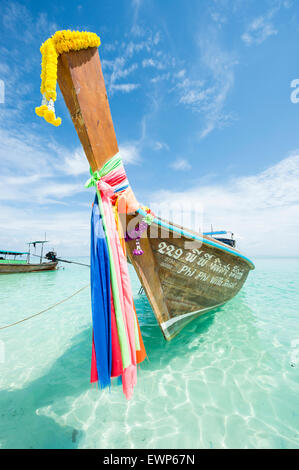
{"type": "Point", "coordinates": [165, 325]}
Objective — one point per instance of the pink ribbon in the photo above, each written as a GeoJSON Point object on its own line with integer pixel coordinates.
{"type": "Point", "coordinates": [105, 188]}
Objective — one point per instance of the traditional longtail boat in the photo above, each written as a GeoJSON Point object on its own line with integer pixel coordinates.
{"type": "Point", "coordinates": [180, 283]}
{"type": "Point", "coordinates": [183, 273]}
{"type": "Point", "coordinates": [19, 261]}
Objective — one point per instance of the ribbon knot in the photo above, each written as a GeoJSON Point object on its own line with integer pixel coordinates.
{"type": "Point", "coordinates": [93, 179]}
{"type": "Point", "coordinates": [105, 188]}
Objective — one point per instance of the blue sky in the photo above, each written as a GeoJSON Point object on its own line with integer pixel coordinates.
{"type": "Point", "coordinates": [200, 94]}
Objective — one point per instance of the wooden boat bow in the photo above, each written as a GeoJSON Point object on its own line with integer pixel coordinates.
{"type": "Point", "coordinates": [180, 283]}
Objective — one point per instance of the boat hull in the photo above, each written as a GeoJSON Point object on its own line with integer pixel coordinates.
{"type": "Point", "coordinates": [26, 268]}
{"type": "Point", "coordinates": [185, 274]}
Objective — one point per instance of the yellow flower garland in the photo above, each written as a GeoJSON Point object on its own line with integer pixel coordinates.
{"type": "Point", "coordinates": [61, 41]}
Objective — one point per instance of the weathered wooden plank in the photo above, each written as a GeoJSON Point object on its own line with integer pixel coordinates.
{"type": "Point", "coordinates": [148, 273]}
{"type": "Point", "coordinates": [82, 85]}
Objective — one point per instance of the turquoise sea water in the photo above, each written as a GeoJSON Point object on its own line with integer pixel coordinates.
{"type": "Point", "coordinates": [229, 380]}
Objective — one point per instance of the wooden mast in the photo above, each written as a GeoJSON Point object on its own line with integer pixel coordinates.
{"type": "Point", "coordinates": [82, 85]}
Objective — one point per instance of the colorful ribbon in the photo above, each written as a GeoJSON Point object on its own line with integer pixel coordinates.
{"type": "Point", "coordinates": [123, 343]}
{"type": "Point", "coordinates": [117, 174]}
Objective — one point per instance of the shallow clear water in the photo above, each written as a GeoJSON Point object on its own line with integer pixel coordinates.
{"type": "Point", "coordinates": [229, 380]}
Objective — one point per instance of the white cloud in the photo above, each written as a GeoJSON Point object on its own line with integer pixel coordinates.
{"type": "Point", "coordinates": [208, 95]}
{"type": "Point", "coordinates": [37, 190]}
{"type": "Point", "coordinates": [262, 27]}
{"type": "Point", "coordinates": [68, 230]}
{"type": "Point", "coordinates": [258, 31]}
{"type": "Point", "coordinates": [136, 6]}
{"type": "Point", "coordinates": [119, 71]}
{"type": "Point", "coordinates": [129, 152]}
{"type": "Point", "coordinates": [4, 69]}
{"type": "Point", "coordinates": [136, 50]}
{"type": "Point", "coordinates": [29, 153]}
{"type": "Point", "coordinates": [39, 184]}
{"type": "Point", "coordinates": [180, 164]}
{"type": "Point", "coordinates": [180, 73]}
{"type": "Point", "coordinates": [37, 193]}
{"type": "Point", "coordinates": [220, 65]}
{"type": "Point", "coordinates": [55, 192]}
{"type": "Point", "coordinates": [25, 153]}
{"type": "Point", "coordinates": [136, 3]}
{"type": "Point", "coordinates": [31, 168]}
{"type": "Point", "coordinates": [148, 63]}
{"type": "Point", "coordinates": [161, 146]}
{"type": "Point", "coordinates": [262, 209]}
{"type": "Point", "coordinates": [18, 19]}
{"type": "Point", "coordinates": [75, 163]}
{"type": "Point", "coordinates": [124, 87]}
{"type": "Point", "coordinates": [218, 17]}
{"type": "Point", "coordinates": [153, 63]}
{"type": "Point", "coordinates": [194, 93]}
{"type": "Point", "coordinates": [159, 78]}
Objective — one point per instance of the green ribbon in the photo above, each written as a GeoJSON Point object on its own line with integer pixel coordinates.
{"type": "Point", "coordinates": [112, 164]}
{"type": "Point", "coordinates": [148, 218]}
{"type": "Point", "coordinates": [93, 179]}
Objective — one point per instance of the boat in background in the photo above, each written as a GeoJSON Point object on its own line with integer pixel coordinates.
{"type": "Point", "coordinates": [183, 273]}
{"type": "Point", "coordinates": [227, 241]}
{"type": "Point", "coordinates": [13, 261]}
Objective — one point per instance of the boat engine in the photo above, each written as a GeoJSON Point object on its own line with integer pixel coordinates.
{"type": "Point", "coordinates": [51, 255]}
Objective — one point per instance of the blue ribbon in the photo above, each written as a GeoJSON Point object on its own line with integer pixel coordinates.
{"type": "Point", "coordinates": [100, 297]}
